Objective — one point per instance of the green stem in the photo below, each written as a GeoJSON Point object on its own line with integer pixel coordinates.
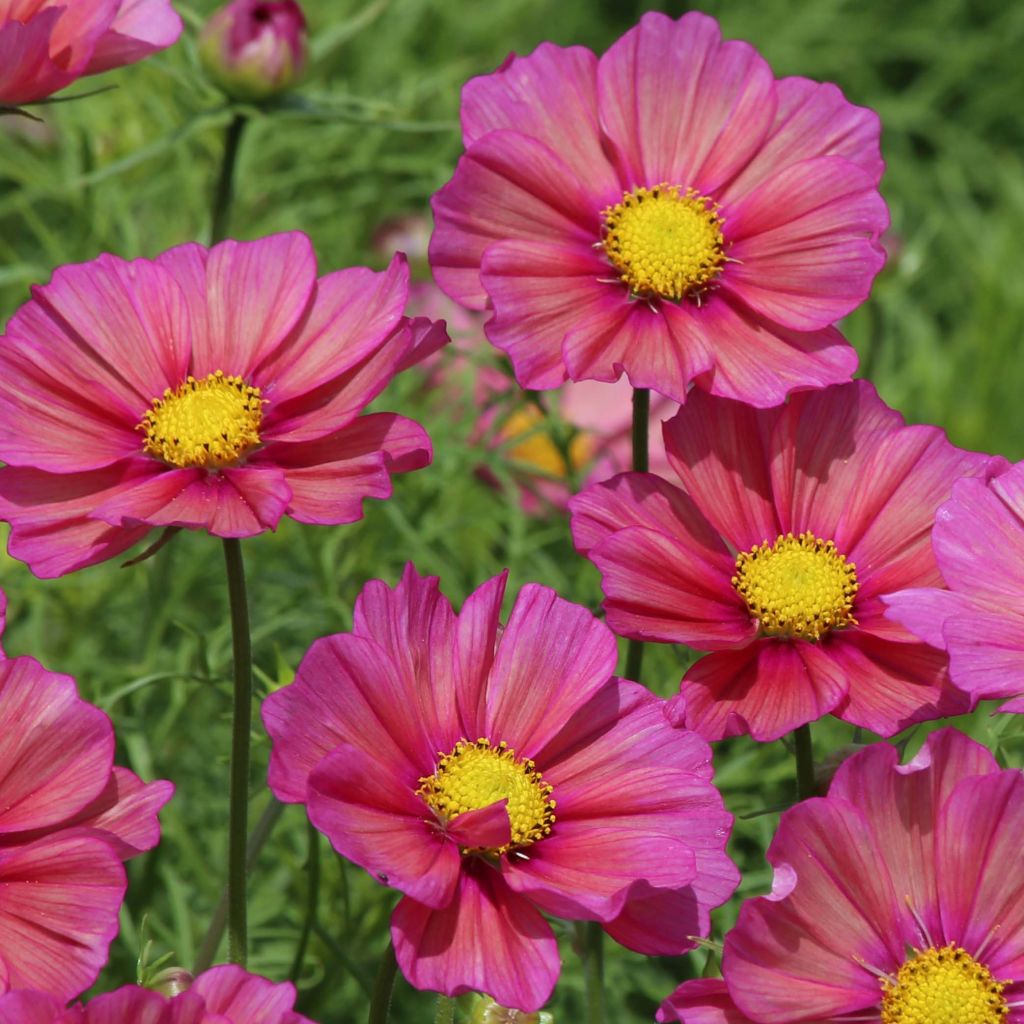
{"type": "Point", "coordinates": [224, 195]}
{"type": "Point", "coordinates": [590, 936]}
{"type": "Point", "coordinates": [383, 986]}
{"type": "Point", "coordinates": [641, 461]}
{"type": "Point", "coordinates": [312, 896]}
{"type": "Point", "coordinates": [445, 1010]}
{"type": "Point", "coordinates": [804, 762]}
{"type": "Point", "coordinates": [241, 727]}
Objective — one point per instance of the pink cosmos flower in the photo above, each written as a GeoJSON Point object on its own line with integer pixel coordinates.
{"type": "Point", "coordinates": [492, 773]}
{"type": "Point", "coordinates": [978, 542]}
{"type": "Point", "coordinates": [898, 898]}
{"type": "Point", "coordinates": [670, 210]}
{"type": "Point", "coordinates": [46, 45]}
{"type": "Point", "coordinates": [790, 526]}
{"type": "Point", "coordinates": [222, 995]}
{"type": "Point", "coordinates": [68, 818]}
{"type": "Point", "coordinates": [210, 389]}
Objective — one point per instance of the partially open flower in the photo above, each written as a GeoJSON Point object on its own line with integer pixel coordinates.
{"type": "Point", "coordinates": [255, 49]}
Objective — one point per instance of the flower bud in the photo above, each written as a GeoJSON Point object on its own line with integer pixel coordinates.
{"type": "Point", "coordinates": [171, 981]}
{"type": "Point", "coordinates": [254, 49]}
{"type": "Point", "coordinates": [486, 1011]}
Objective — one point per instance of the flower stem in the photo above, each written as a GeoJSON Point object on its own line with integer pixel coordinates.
{"type": "Point", "coordinates": [238, 800]}
{"type": "Point", "coordinates": [590, 936]}
{"type": "Point", "coordinates": [224, 195]}
{"type": "Point", "coordinates": [804, 762]}
{"type": "Point", "coordinates": [641, 461]}
{"type": "Point", "coordinates": [312, 896]}
{"type": "Point", "coordinates": [383, 986]}
{"type": "Point", "coordinates": [445, 1010]}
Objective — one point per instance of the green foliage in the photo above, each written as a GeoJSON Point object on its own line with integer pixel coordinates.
{"type": "Point", "coordinates": [371, 135]}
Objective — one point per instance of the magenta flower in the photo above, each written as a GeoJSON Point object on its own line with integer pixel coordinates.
{"type": "Point", "coordinates": [222, 995]}
{"type": "Point", "coordinates": [255, 49]}
{"type": "Point", "coordinates": [704, 1001]}
{"type": "Point", "coordinates": [670, 210]}
{"type": "Point", "coordinates": [491, 774]}
{"type": "Point", "coordinates": [46, 45]}
{"type": "Point", "coordinates": [68, 818]}
{"type": "Point", "coordinates": [790, 526]}
{"type": "Point", "coordinates": [898, 898]}
{"type": "Point", "coordinates": [210, 389]}
{"type": "Point", "coordinates": [978, 542]}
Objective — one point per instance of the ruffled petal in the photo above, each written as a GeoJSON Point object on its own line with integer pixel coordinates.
{"type": "Point", "coordinates": [28, 1007]}
{"type": "Point", "coordinates": [27, 73]}
{"type": "Point", "coordinates": [487, 940]}
{"type": "Point", "coordinates": [141, 27]}
{"type": "Point", "coordinates": [244, 997]}
{"type": "Point", "coordinates": [704, 1001]}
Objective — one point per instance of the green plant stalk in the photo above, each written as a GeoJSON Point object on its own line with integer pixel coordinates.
{"type": "Point", "coordinates": [804, 751]}
{"type": "Point", "coordinates": [383, 986]}
{"type": "Point", "coordinates": [641, 461]}
{"type": "Point", "coordinates": [224, 196]}
{"type": "Point", "coordinates": [312, 897]}
{"type": "Point", "coordinates": [590, 937]}
{"type": "Point", "coordinates": [241, 726]}
{"type": "Point", "coordinates": [445, 1013]}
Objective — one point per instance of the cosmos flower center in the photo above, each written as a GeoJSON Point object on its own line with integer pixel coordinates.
{"type": "Point", "coordinates": [530, 443]}
{"type": "Point", "coordinates": [665, 242]}
{"type": "Point", "coordinates": [204, 424]}
{"type": "Point", "coordinates": [476, 775]}
{"type": "Point", "coordinates": [943, 986]}
{"type": "Point", "coordinates": [797, 587]}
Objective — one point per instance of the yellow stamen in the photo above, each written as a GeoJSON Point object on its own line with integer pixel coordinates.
{"type": "Point", "coordinates": [797, 587]}
{"type": "Point", "coordinates": [943, 986]}
{"type": "Point", "coordinates": [204, 424]}
{"type": "Point", "coordinates": [530, 443]}
{"type": "Point", "coordinates": [476, 775]}
{"type": "Point", "coordinates": [665, 242]}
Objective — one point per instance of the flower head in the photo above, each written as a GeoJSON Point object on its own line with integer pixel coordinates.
{"type": "Point", "coordinates": [897, 898]}
{"type": "Point", "coordinates": [255, 49]}
{"type": "Point", "coordinates": [978, 542]}
{"type": "Point", "coordinates": [215, 389]}
{"type": "Point", "coordinates": [490, 775]}
{"type": "Point", "coordinates": [68, 818]}
{"type": "Point", "coordinates": [790, 526]}
{"type": "Point", "coordinates": [670, 210]}
{"type": "Point", "coordinates": [222, 995]}
{"type": "Point", "coordinates": [46, 45]}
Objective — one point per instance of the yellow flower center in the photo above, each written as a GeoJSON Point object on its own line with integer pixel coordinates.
{"type": "Point", "coordinates": [943, 986]}
{"type": "Point", "coordinates": [797, 587]}
{"type": "Point", "coordinates": [204, 424]}
{"type": "Point", "coordinates": [665, 242]}
{"type": "Point", "coordinates": [476, 775]}
{"type": "Point", "coordinates": [531, 444]}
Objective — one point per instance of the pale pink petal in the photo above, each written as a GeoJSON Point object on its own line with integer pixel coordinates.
{"type": "Point", "coordinates": [373, 817]}
{"type": "Point", "coordinates": [142, 27]}
{"type": "Point", "coordinates": [812, 119]}
{"type": "Point", "coordinates": [562, 645]}
{"type": "Point", "coordinates": [49, 513]}
{"type": "Point", "coordinates": [55, 749]}
{"type": "Point", "coordinates": [59, 911]}
{"type": "Point", "coordinates": [986, 652]}
{"type": "Point", "coordinates": [805, 243]}
{"type": "Point", "coordinates": [27, 72]}
{"type": "Point", "coordinates": [551, 95]}
{"type": "Point", "coordinates": [828, 868]}
{"type": "Point", "coordinates": [487, 940]}
{"type": "Point", "coordinates": [245, 998]}
{"type": "Point", "coordinates": [77, 31]}
{"type": "Point", "coordinates": [352, 313]}
{"type": "Point", "coordinates": [766, 689]}
{"type": "Point", "coordinates": [704, 1001]}
{"type": "Point", "coordinates": [507, 186]}
{"type": "Point", "coordinates": [329, 477]}
{"type": "Point", "coordinates": [680, 106]}
{"type": "Point", "coordinates": [719, 448]}
{"type": "Point", "coordinates": [925, 611]}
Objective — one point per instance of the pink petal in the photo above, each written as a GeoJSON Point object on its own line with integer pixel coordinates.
{"type": "Point", "coordinates": [142, 27]}
{"type": "Point", "coordinates": [246, 998]}
{"type": "Point", "coordinates": [506, 186]}
{"type": "Point", "coordinates": [719, 448]}
{"type": "Point", "coordinates": [925, 611]}
{"type": "Point", "coordinates": [61, 897]}
{"type": "Point", "coordinates": [140, 1006]}
{"type": "Point", "coordinates": [80, 27]}
{"type": "Point", "coordinates": [476, 635]}
{"type": "Point", "coordinates": [805, 243]}
{"type": "Point", "coordinates": [426, 338]}
{"type": "Point", "coordinates": [766, 689]}
{"type": "Point", "coordinates": [27, 73]}
{"type": "Point", "coordinates": [28, 1007]}
{"type": "Point", "coordinates": [551, 96]}
{"type": "Point", "coordinates": [704, 1001]}
{"type": "Point", "coordinates": [55, 749]}
{"type": "Point", "coordinates": [487, 940]}
{"type": "Point", "coordinates": [812, 119]}
{"type": "Point", "coordinates": [486, 826]}
{"type": "Point", "coordinates": [369, 810]}
{"type": "Point", "coordinates": [680, 106]}
{"type": "Point", "coordinates": [352, 314]}
{"type": "Point", "coordinates": [329, 478]}
{"type": "Point", "coordinates": [549, 639]}
{"type": "Point", "coordinates": [49, 513]}
{"type": "Point", "coordinates": [986, 652]}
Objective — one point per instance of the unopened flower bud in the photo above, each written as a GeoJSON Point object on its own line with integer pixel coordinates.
{"type": "Point", "coordinates": [254, 49]}
{"type": "Point", "coordinates": [486, 1011]}
{"type": "Point", "coordinates": [171, 981]}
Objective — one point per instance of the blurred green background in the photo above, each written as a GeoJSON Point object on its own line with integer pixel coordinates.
{"type": "Point", "coordinates": [371, 135]}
